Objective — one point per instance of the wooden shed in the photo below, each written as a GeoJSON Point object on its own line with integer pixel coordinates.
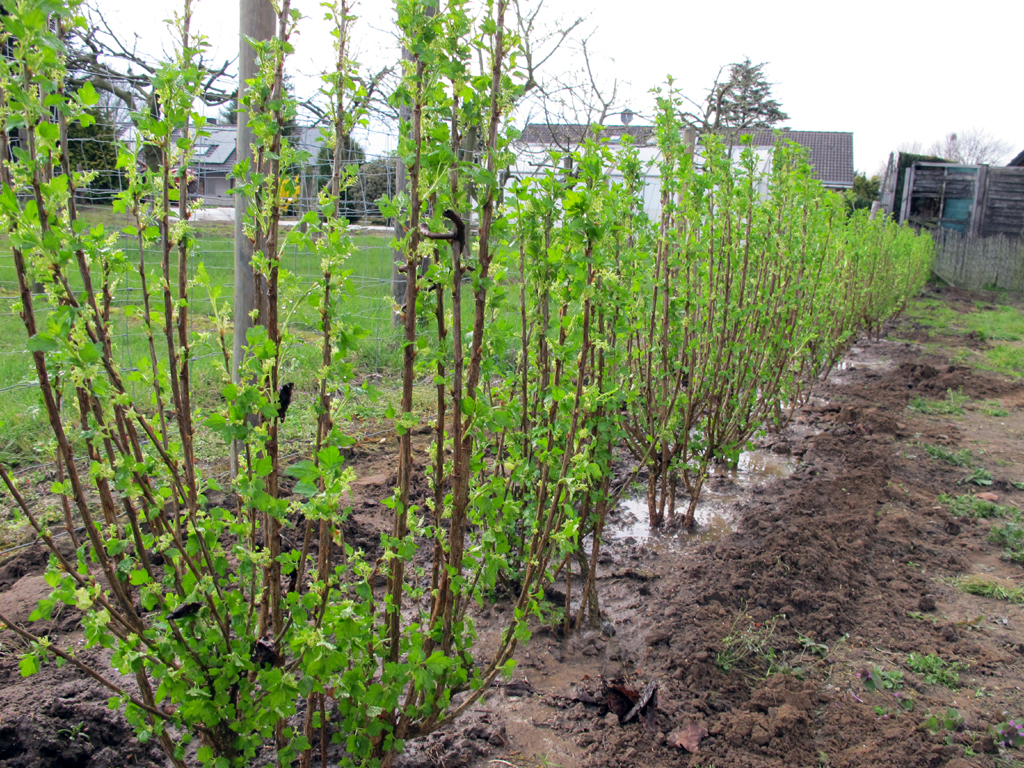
{"type": "Point", "coordinates": [974, 200]}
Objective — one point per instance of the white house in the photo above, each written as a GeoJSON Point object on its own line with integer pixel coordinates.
{"type": "Point", "coordinates": [831, 152]}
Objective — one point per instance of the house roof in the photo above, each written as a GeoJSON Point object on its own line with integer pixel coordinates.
{"type": "Point", "coordinates": [216, 152]}
{"type": "Point", "coordinates": [831, 151]}
{"type": "Point", "coordinates": [1017, 162]}
{"type": "Point", "coordinates": [570, 134]}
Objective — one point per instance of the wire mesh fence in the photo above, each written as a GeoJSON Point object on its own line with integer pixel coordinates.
{"type": "Point", "coordinates": [95, 149]}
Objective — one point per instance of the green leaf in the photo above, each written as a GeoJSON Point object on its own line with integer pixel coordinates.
{"type": "Point", "coordinates": [41, 342]}
{"type": "Point", "coordinates": [87, 94]}
{"type": "Point", "coordinates": [264, 466]}
{"type": "Point", "coordinates": [28, 665]}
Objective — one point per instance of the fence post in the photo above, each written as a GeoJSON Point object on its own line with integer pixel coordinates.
{"type": "Point", "coordinates": [257, 21]}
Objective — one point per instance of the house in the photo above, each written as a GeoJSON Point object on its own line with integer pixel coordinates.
{"type": "Point", "coordinates": [216, 154]}
{"type": "Point", "coordinates": [214, 158]}
{"type": "Point", "coordinates": [538, 140]}
{"type": "Point", "coordinates": [1017, 162]}
{"type": "Point", "coordinates": [830, 152]}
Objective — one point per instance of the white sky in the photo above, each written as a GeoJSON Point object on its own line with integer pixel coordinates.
{"type": "Point", "coordinates": [891, 72]}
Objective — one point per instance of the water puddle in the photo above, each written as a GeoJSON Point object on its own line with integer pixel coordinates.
{"type": "Point", "coordinates": [859, 358]}
{"type": "Point", "coordinates": [715, 514]}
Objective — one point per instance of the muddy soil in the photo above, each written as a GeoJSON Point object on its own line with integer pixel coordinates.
{"type": "Point", "coordinates": [828, 557]}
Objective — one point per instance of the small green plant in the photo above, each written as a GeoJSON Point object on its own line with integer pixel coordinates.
{"type": "Point", "coordinates": [951, 720]}
{"type": "Point", "coordinates": [962, 458]}
{"type": "Point", "coordinates": [935, 670]}
{"type": "Point", "coordinates": [1011, 536]}
{"type": "Point", "coordinates": [809, 644]}
{"type": "Point", "coordinates": [545, 762]}
{"type": "Point", "coordinates": [74, 733]}
{"type": "Point", "coordinates": [966, 505]}
{"type": "Point", "coordinates": [881, 679]}
{"type": "Point", "coordinates": [989, 586]}
{"type": "Point", "coordinates": [903, 704]}
{"type": "Point", "coordinates": [922, 617]}
{"type": "Point", "coordinates": [953, 405]}
{"type": "Point", "coordinates": [1010, 734]}
{"type": "Point", "coordinates": [980, 477]}
{"type": "Point", "coordinates": [977, 624]}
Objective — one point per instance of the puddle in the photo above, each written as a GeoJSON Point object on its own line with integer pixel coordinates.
{"type": "Point", "coordinates": [859, 358]}
{"type": "Point", "coordinates": [715, 514]}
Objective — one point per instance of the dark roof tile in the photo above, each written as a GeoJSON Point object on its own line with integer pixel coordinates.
{"type": "Point", "coordinates": [831, 152]}
{"type": "Point", "coordinates": [571, 134]}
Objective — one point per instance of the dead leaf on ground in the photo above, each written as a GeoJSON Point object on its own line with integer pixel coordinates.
{"type": "Point", "coordinates": [688, 738]}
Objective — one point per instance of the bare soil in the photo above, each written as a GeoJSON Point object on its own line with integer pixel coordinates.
{"type": "Point", "coordinates": [834, 562]}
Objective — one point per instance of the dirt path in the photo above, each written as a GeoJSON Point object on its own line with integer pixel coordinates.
{"type": "Point", "coordinates": [764, 642]}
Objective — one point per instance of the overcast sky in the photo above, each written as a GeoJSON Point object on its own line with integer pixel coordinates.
{"type": "Point", "coordinates": [891, 72]}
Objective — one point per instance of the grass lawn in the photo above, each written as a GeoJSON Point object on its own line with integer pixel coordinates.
{"type": "Point", "coordinates": [23, 433]}
{"type": "Point", "coordinates": [992, 331]}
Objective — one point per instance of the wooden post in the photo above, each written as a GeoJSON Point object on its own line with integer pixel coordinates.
{"type": "Point", "coordinates": [257, 20]}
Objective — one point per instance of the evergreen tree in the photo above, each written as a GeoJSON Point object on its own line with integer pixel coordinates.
{"type": "Point", "coordinates": [93, 148]}
{"type": "Point", "coordinates": [743, 101]}
{"type": "Point", "coordinates": [865, 191]}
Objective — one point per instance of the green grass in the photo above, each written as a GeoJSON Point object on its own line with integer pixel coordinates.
{"type": "Point", "coordinates": [995, 409]}
{"type": "Point", "coordinates": [24, 431]}
{"type": "Point", "coordinates": [1010, 536]}
{"type": "Point", "coordinates": [1001, 326]}
{"type": "Point", "coordinates": [970, 506]}
{"type": "Point", "coordinates": [962, 458]}
{"type": "Point", "coordinates": [989, 586]}
{"type": "Point", "coordinates": [1005, 359]}
{"type": "Point", "coordinates": [953, 405]}
{"type": "Point", "coordinates": [988, 322]}
{"type": "Point", "coordinates": [980, 477]}
{"type": "Point", "coordinates": [23, 425]}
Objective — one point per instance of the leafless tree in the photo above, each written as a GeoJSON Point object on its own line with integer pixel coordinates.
{"type": "Point", "coordinates": [119, 69]}
{"type": "Point", "coordinates": [571, 99]}
{"type": "Point", "coordinates": [976, 146]}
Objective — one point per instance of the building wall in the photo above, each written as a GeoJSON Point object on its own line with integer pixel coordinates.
{"type": "Point", "coordinates": [535, 161]}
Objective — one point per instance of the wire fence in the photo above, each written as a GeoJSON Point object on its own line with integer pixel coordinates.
{"type": "Point", "coordinates": [95, 149]}
{"type": "Point", "coordinates": [368, 308]}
